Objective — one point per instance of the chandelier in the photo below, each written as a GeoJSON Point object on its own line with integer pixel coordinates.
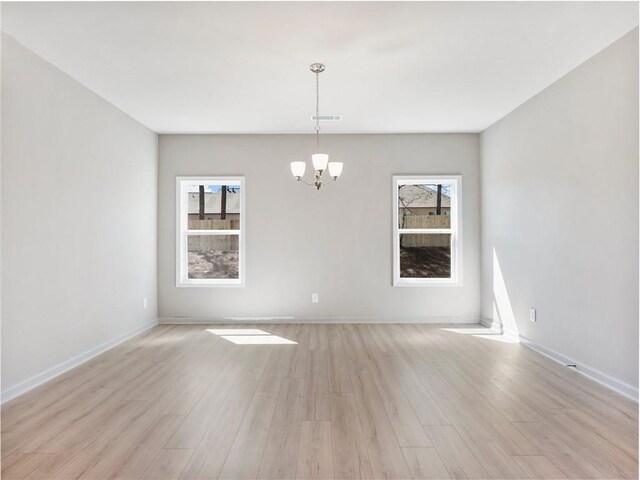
{"type": "Point", "coordinates": [319, 160]}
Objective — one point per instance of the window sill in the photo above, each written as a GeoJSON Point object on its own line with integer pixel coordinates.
{"type": "Point", "coordinates": [426, 283]}
{"type": "Point", "coordinates": [211, 284]}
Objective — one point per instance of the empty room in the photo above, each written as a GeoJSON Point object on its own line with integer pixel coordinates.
{"type": "Point", "coordinates": [319, 240]}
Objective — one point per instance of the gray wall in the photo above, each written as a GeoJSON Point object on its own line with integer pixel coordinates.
{"type": "Point", "coordinates": [79, 192]}
{"type": "Point", "coordinates": [560, 210]}
{"type": "Point", "coordinates": [336, 242]}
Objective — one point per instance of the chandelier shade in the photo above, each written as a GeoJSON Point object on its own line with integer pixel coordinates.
{"type": "Point", "coordinates": [320, 161]}
{"type": "Point", "coordinates": [335, 169]}
{"type": "Point", "coordinates": [298, 168]}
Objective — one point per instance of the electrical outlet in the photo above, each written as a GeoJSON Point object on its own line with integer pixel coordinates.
{"type": "Point", "coordinates": [144, 302]}
{"type": "Point", "coordinates": [532, 315]}
{"type": "Point", "coordinates": [314, 298]}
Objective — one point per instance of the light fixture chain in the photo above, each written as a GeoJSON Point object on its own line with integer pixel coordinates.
{"type": "Point", "coordinates": [317, 112]}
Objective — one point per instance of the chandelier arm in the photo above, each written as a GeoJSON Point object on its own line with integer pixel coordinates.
{"type": "Point", "coordinates": [305, 182]}
{"type": "Point", "coordinates": [327, 181]}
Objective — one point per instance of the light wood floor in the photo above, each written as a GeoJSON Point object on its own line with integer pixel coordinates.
{"type": "Point", "coordinates": [345, 401]}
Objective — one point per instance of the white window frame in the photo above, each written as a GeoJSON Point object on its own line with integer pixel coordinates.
{"type": "Point", "coordinates": [455, 230]}
{"type": "Point", "coordinates": [182, 232]}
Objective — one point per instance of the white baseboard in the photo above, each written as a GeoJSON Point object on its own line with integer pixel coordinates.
{"type": "Point", "coordinates": [493, 325]}
{"type": "Point", "coordinates": [608, 381]}
{"type": "Point", "coordinates": [31, 383]}
{"type": "Point", "coordinates": [489, 323]}
{"type": "Point", "coordinates": [286, 320]}
{"type": "Point", "coordinates": [511, 334]}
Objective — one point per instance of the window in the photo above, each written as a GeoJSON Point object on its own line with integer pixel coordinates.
{"type": "Point", "coordinates": [210, 231]}
{"type": "Point", "coordinates": [427, 242]}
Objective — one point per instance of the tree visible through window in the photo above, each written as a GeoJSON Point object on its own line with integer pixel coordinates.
{"type": "Point", "coordinates": [426, 230]}
{"type": "Point", "coordinates": [210, 231]}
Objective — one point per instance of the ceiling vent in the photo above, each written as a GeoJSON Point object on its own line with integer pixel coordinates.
{"type": "Point", "coordinates": [327, 118]}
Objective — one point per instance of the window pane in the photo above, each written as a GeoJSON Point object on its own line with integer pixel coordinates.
{"type": "Point", "coordinates": [425, 255]}
{"type": "Point", "coordinates": [214, 207]}
{"type": "Point", "coordinates": [213, 256]}
{"type": "Point", "coordinates": [424, 205]}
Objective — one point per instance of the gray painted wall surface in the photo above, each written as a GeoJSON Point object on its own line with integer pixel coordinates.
{"type": "Point", "coordinates": [336, 242]}
{"type": "Point", "coordinates": [79, 223]}
{"type": "Point", "coordinates": [560, 210]}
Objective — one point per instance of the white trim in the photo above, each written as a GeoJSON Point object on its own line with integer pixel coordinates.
{"type": "Point", "coordinates": [498, 327]}
{"type": "Point", "coordinates": [182, 232]}
{"type": "Point", "coordinates": [37, 380]}
{"type": "Point", "coordinates": [455, 231]}
{"type": "Point", "coordinates": [511, 334]}
{"type": "Point", "coordinates": [489, 323]}
{"type": "Point", "coordinates": [302, 320]}
{"type": "Point", "coordinates": [423, 230]}
{"type": "Point", "coordinates": [602, 378]}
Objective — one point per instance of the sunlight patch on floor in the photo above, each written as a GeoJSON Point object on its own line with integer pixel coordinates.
{"type": "Point", "coordinates": [473, 331]}
{"type": "Point", "coordinates": [498, 338]}
{"type": "Point", "coordinates": [237, 331]}
{"type": "Point", "coordinates": [258, 340]}
{"type": "Point", "coordinates": [250, 336]}
{"type": "Point", "coordinates": [482, 332]}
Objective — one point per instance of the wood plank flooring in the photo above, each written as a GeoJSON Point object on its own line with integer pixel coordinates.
{"type": "Point", "coordinates": [344, 401]}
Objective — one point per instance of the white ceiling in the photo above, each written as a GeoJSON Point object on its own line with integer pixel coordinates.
{"type": "Point", "coordinates": [391, 67]}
